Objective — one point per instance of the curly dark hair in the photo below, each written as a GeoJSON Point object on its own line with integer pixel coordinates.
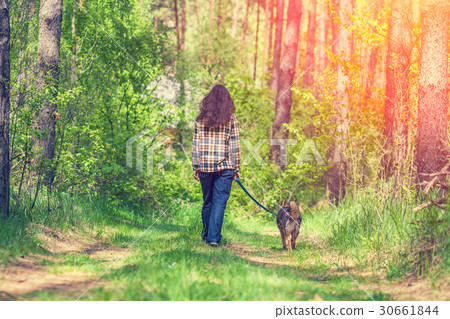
{"type": "Point", "coordinates": [217, 107]}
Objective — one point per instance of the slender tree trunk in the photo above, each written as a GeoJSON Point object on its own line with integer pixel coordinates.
{"type": "Point", "coordinates": [373, 57]}
{"type": "Point", "coordinates": [307, 78]}
{"type": "Point", "coordinates": [287, 73]}
{"type": "Point", "coordinates": [322, 38]}
{"type": "Point", "coordinates": [23, 80]}
{"type": "Point", "coordinates": [177, 24]}
{"type": "Point", "coordinates": [183, 24]}
{"type": "Point", "coordinates": [26, 14]}
{"type": "Point", "coordinates": [256, 43]}
{"type": "Point", "coordinates": [50, 18]}
{"type": "Point", "coordinates": [396, 110]}
{"type": "Point", "coordinates": [371, 70]}
{"type": "Point", "coordinates": [270, 37]}
{"type": "Point", "coordinates": [277, 46]}
{"type": "Point", "coordinates": [372, 62]}
{"type": "Point", "coordinates": [218, 17]}
{"type": "Point", "coordinates": [73, 68]}
{"type": "Point", "coordinates": [199, 28]}
{"type": "Point", "coordinates": [337, 175]}
{"type": "Point", "coordinates": [245, 25]}
{"type": "Point", "coordinates": [433, 88]}
{"type": "Point", "coordinates": [334, 16]}
{"type": "Point", "coordinates": [211, 32]}
{"type": "Point", "coordinates": [353, 34]}
{"type": "Point", "coordinates": [4, 107]}
{"type": "Point", "coordinates": [235, 18]}
{"type": "Point", "coordinates": [156, 16]}
{"type": "Point", "coordinates": [265, 54]}
{"type": "Point", "coordinates": [223, 13]}
{"type": "Point", "coordinates": [71, 113]}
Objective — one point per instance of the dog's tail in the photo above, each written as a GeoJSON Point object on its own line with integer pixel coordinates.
{"type": "Point", "coordinates": [295, 213]}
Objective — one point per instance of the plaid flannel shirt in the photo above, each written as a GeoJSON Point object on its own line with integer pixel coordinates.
{"type": "Point", "coordinates": [216, 149]}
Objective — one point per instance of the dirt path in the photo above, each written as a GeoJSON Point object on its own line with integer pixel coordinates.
{"type": "Point", "coordinates": [250, 253]}
{"type": "Point", "coordinates": [404, 289]}
{"type": "Point", "coordinates": [30, 273]}
{"type": "Point", "coordinates": [37, 273]}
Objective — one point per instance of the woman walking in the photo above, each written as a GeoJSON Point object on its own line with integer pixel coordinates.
{"type": "Point", "coordinates": [215, 158]}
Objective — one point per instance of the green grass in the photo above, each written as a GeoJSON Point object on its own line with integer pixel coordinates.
{"type": "Point", "coordinates": [375, 224]}
{"type": "Point", "coordinates": [170, 262]}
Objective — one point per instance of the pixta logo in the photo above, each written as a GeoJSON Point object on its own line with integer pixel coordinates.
{"type": "Point", "coordinates": [148, 145]}
{"type": "Point", "coordinates": [308, 153]}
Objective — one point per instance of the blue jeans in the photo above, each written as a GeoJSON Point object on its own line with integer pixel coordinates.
{"type": "Point", "coordinates": [216, 189]}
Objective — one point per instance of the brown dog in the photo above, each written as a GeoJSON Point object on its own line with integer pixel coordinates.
{"type": "Point", "coordinates": [288, 221]}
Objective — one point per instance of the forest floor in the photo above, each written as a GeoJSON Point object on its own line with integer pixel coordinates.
{"type": "Point", "coordinates": [169, 262]}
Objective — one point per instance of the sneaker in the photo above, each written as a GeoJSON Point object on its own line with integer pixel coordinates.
{"type": "Point", "coordinates": [214, 244]}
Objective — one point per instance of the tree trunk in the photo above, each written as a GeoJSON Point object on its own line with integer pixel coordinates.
{"type": "Point", "coordinates": [307, 78]}
{"type": "Point", "coordinates": [177, 24]}
{"type": "Point", "coordinates": [73, 67]}
{"type": "Point", "coordinates": [50, 18]}
{"type": "Point", "coordinates": [211, 33]}
{"type": "Point", "coordinates": [353, 35]}
{"type": "Point", "coordinates": [270, 37]}
{"type": "Point", "coordinates": [235, 18]}
{"type": "Point", "coordinates": [287, 73]}
{"type": "Point", "coordinates": [433, 87]}
{"type": "Point", "coordinates": [21, 81]}
{"type": "Point", "coordinates": [4, 107]}
{"type": "Point", "coordinates": [183, 24]}
{"type": "Point", "coordinates": [373, 57]}
{"type": "Point", "coordinates": [156, 16]}
{"type": "Point", "coordinates": [223, 14]}
{"type": "Point", "coordinates": [256, 44]}
{"type": "Point", "coordinates": [334, 16]}
{"type": "Point", "coordinates": [371, 69]}
{"type": "Point", "coordinates": [199, 26]}
{"type": "Point", "coordinates": [277, 46]}
{"type": "Point", "coordinates": [322, 38]}
{"type": "Point", "coordinates": [396, 110]}
{"type": "Point", "coordinates": [337, 175]}
{"type": "Point", "coordinates": [265, 54]}
{"type": "Point", "coordinates": [245, 25]}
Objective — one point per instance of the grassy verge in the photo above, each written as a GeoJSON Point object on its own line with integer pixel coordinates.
{"type": "Point", "coordinates": [399, 241]}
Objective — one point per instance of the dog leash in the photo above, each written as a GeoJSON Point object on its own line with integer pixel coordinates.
{"type": "Point", "coordinates": [248, 194]}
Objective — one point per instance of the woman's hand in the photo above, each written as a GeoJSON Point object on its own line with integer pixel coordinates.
{"type": "Point", "coordinates": [196, 176]}
{"type": "Point", "coordinates": [237, 175]}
